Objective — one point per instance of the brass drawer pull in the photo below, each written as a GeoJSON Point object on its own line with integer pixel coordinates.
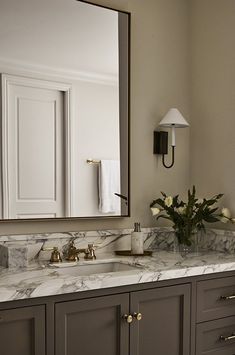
{"type": "Point", "coordinates": [227, 338]}
{"type": "Point", "coordinates": [128, 318]}
{"type": "Point", "coordinates": [137, 316]}
{"type": "Point", "coordinates": [231, 297]}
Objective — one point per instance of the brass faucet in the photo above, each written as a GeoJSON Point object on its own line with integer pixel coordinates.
{"type": "Point", "coordinates": [55, 255]}
{"type": "Point", "coordinates": [73, 252]}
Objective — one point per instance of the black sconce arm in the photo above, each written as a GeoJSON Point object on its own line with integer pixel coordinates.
{"type": "Point", "coordinates": [173, 158]}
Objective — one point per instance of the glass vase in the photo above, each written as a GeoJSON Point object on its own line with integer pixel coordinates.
{"type": "Point", "coordinates": [185, 249]}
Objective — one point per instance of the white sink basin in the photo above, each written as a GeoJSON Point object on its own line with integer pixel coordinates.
{"type": "Point", "coordinates": [91, 269]}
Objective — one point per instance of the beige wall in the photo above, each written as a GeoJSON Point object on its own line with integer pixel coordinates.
{"type": "Point", "coordinates": [159, 80]}
{"type": "Point", "coordinates": [213, 98]}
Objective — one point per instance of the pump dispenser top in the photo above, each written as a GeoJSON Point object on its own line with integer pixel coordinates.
{"type": "Point", "coordinates": [137, 227]}
{"type": "Point", "coordinates": [137, 240]}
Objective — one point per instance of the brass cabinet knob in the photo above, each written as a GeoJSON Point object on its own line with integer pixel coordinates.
{"type": "Point", "coordinates": [128, 318]}
{"type": "Point", "coordinates": [137, 316]}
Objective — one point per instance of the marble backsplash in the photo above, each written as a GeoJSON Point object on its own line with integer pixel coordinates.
{"type": "Point", "coordinates": [20, 250]}
{"type": "Point", "coordinates": [105, 241]}
{"type": "Point", "coordinates": [213, 240]}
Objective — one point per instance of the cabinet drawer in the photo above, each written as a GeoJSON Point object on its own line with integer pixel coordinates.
{"type": "Point", "coordinates": [215, 299]}
{"type": "Point", "coordinates": [216, 337]}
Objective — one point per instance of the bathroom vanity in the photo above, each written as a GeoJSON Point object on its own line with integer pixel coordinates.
{"type": "Point", "coordinates": [174, 305]}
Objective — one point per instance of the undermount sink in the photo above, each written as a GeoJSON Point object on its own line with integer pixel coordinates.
{"type": "Point", "coordinates": [91, 269]}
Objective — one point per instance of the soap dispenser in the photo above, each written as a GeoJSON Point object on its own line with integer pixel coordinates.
{"type": "Point", "coordinates": [137, 240]}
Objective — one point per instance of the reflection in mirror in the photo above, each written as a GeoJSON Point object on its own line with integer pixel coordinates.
{"type": "Point", "coordinates": [65, 126]}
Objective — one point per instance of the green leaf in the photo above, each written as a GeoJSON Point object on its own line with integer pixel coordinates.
{"type": "Point", "coordinates": [210, 202]}
{"type": "Point", "coordinates": [158, 201]}
{"type": "Point", "coordinates": [210, 219]}
{"type": "Point", "coordinates": [175, 201]}
{"type": "Point", "coordinates": [164, 217]}
{"type": "Point", "coordinates": [219, 196]}
{"type": "Point", "coordinates": [213, 210]}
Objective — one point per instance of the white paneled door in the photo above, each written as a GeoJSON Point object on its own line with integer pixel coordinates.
{"type": "Point", "coordinates": [34, 159]}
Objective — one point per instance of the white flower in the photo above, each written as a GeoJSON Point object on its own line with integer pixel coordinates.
{"type": "Point", "coordinates": [155, 211]}
{"type": "Point", "coordinates": [226, 213]}
{"type": "Point", "coordinates": [224, 220]}
{"type": "Point", "coordinates": [181, 209]}
{"type": "Point", "coordinates": [168, 201]}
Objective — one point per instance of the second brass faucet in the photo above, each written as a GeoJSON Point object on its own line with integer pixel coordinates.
{"type": "Point", "coordinates": [73, 252]}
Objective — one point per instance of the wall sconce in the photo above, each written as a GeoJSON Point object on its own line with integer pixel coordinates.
{"type": "Point", "coordinates": [172, 119]}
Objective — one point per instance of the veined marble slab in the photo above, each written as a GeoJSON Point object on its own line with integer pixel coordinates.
{"type": "Point", "coordinates": [39, 280]}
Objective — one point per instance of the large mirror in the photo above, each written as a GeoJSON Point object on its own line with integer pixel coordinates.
{"type": "Point", "coordinates": [65, 110]}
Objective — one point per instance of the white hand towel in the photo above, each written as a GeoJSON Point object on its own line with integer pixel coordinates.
{"type": "Point", "coordinates": [109, 184]}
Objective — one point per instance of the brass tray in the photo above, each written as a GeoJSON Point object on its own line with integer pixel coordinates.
{"type": "Point", "coordinates": [129, 253]}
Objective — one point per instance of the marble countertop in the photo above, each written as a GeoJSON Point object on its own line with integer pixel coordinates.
{"type": "Point", "coordinates": [42, 280]}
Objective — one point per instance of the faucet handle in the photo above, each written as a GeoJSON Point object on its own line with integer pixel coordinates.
{"type": "Point", "coordinates": [55, 255]}
{"type": "Point", "coordinates": [90, 252]}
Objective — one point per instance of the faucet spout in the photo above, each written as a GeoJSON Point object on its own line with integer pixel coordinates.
{"type": "Point", "coordinates": [73, 252]}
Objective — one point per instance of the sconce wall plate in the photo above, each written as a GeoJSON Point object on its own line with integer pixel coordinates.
{"type": "Point", "coordinates": [160, 142]}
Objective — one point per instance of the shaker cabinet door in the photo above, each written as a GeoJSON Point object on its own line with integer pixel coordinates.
{"type": "Point", "coordinates": [92, 326]}
{"type": "Point", "coordinates": [165, 325]}
{"type": "Point", "coordinates": [22, 331]}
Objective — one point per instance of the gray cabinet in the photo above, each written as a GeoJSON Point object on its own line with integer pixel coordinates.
{"type": "Point", "coordinates": [22, 331]}
{"type": "Point", "coordinates": [92, 326]}
{"type": "Point", "coordinates": [165, 324]}
{"type": "Point", "coordinates": [97, 326]}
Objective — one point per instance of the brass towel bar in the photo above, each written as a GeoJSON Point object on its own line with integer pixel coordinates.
{"type": "Point", "coordinates": [93, 161]}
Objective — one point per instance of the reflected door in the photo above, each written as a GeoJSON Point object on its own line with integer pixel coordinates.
{"type": "Point", "coordinates": [34, 155]}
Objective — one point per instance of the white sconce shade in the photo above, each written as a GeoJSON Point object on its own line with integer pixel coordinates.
{"type": "Point", "coordinates": [173, 118]}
